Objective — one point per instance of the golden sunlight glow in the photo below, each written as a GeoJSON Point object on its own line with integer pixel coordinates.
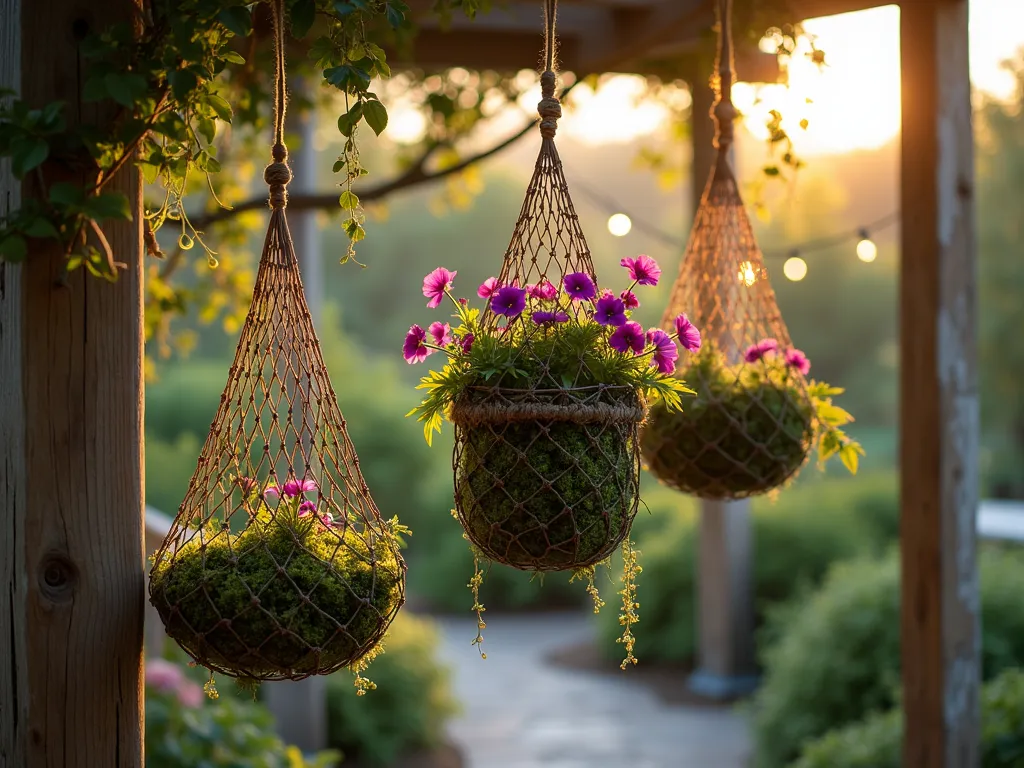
{"type": "Point", "coordinates": [746, 274]}
{"type": "Point", "coordinates": [795, 269]}
{"type": "Point", "coordinates": [619, 224]}
{"type": "Point", "coordinates": [867, 251]}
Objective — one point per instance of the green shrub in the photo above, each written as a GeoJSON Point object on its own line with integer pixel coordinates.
{"type": "Point", "coordinates": [835, 655]}
{"type": "Point", "coordinates": [409, 707]}
{"type": "Point", "coordinates": [185, 729]}
{"type": "Point", "coordinates": [876, 741]}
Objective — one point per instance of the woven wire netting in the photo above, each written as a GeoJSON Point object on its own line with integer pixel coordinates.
{"type": "Point", "coordinates": [546, 467]}
{"type": "Point", "coordinates": [278, 565]}
{"type": "Point", "coordinates": [749, 428]}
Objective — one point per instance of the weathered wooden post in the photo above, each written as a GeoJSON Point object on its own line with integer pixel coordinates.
{"type": "Point", "coordinates": [938, 392]}
{"type": "Point", "coordinates": [71, 568]}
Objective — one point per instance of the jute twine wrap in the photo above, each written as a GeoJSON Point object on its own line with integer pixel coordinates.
{"type": "Point", "coordinates": [546, 478]}
{"type": "Point", "coordinates": [745, 433]}
{"type": "Point", "coordinates": [249, 588]}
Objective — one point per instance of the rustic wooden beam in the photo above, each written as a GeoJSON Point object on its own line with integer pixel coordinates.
{"type": "Point", "coordinates": [71, 512]}
{"type": "Point", "coordinates": [938, 392]}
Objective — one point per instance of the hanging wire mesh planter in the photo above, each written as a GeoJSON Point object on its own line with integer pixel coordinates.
{"type": "Point", "coordinates": [278, 564]}
{"type": "Point", "coordinates": [756, 417]}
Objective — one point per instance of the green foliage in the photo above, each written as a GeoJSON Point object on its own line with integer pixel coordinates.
{"type": "Point", "coordinates": [184, 729]}
{"type": "Point", "coordinates": [796, 540]}
{"type": "Point", "coordinates": [836, 655]}
{"type": "Point", "coordinates": [410, 706]}
{"type": "Point", "coordinates": [877, 740]}
{"type": "Point", "coordinates": [226, 597]}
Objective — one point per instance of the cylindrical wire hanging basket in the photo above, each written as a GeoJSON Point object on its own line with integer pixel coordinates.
{"type": "Point", "coordinates": [756, 418]}
{"type": "Point", "coordinates": [278, 564]}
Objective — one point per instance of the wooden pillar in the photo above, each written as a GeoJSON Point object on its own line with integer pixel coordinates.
{"type": "Point", "coordinates": [71, 597]}
{"type": "Point", "coordinates": [939, 393]}
{"type": "Point", "coordinates": [725, 611]}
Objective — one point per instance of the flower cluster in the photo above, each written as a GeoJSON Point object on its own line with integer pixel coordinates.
{"type": "Point", "coordinates": [167, 677]}
{"type": "Point", "coordinates": [766, 349]}
{"type": "Point", "coordinates": [287, 499]}
{"type": "Point", "coordinates": [575, 319]}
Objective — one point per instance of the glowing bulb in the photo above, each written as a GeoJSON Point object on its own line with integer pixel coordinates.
{"type": "Point", "coordinates": [867, 251]}
{"type": "Point", "coordinates": [795, 268]}
{"type": "Point", "coordinates": [619, 224]}
{"type": "Point", "coordinates": [747, 275]}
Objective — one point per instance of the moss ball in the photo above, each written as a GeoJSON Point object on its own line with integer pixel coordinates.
{"type": "Point", "coordinates": [276, 601]}
{"type": "Point", "coordinates": [740, 436]}
{"type": "Point", "coordinates": [547, 495]}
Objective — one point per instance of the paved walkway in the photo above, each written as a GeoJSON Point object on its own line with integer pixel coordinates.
{"type": "Point", "coordinates": [521, 712]}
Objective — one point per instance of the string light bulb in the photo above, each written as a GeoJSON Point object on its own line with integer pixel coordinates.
{"type": "Point", "coordinates": [795, 268]}
{"type": "Point", "coordinates": [867, 251]}
{"type": "Point", "coordinates": [747, 275]}
{"type": "Point", "coordinates": [619, 224]}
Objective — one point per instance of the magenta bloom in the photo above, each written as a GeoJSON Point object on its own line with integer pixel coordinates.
{"type": "Point", "coordinates": [543, 290]}
{"type": "Point", "coordinates": [441, 333]}
{"type": "Point", "coordinates": [293, 487]}
{"type": "Point", "coordinates": [757, 351]}
{"type": "Point", "coordinates": [797, 359]}
{"type": "Point", "coordinates": [489, 286]}
{"type": "Point", "coordinates": [272, 493]}
{"type": "Point", "coordinates": [610, 310]}
{"type": "Point", "coordinates": [436, 283]}
{"type": "Point", "coordinates": [327, 519]}
{"type": "Point", "coordinates": [164, 675]}
{"type": "Point", "coordinates": [414, 350]}
{"type": "Point", "coordinates": [688, 333]}
{"type": "Point", "coordinates": [629, 300]}
{"type": "Point", "coordinates": [643, 269]}
{"type": "Point", "coordinates": [579, 286]}
{"type": "Point", "coordinates": [509, 301]}
{"type": "Point", "coordinates": [628, 337]}
{"type": "Point", "coordinates": [306, 508]}
{"type": "Point", "coordinates": [665, 352]}
{"type": "Point", "coordinates": [467, 343]}
{"type": "Point", "coordinates": [546, 318]}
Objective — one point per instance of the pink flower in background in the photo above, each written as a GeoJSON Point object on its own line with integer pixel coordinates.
{"type": "Point", "coordinates": [629, 300]}
{"type": "Point", "coordinates": [441, 334]}
{"type": "Point", "coordinates": [467, 343]}
{"type": "Point", "coordinates": [758, 351]}
{"type": "Point", "coordinates": [190, 694]}
{"type": "Point", "coordinates": [643, 269]}
{"type": "Point", "coordinates": [509, 301]}
{"type": "Point", "coordinates": [628, 337]}
{"type": "Point", "coordinates": [579, 286]}
{"type": "Point", "coordinates": [688, 333]}
{"type": "Point", "coordinates": [306, 508]}
{"type": "Point", "coordinates": [665, 352]}
{"type": "Point", "coordinates": [489, 286]}
{"type": "Point", "coordinates": [272, 493]}
{"type": "Point", "coordinates": [435, 284]}
{"type": "Point", "coordinates": [414, 350]}
{"type": "Point", "coordinates": [163, 675]}
{"type": "Point", "coordinates": [543, 290]}
{"type": "Point", "coordinates": [327, 519]}
{"type": "Point", "coordinates": [797, 359]}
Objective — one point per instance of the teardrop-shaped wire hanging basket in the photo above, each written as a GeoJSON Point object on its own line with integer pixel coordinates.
{"type": "Point", "coordinates": [278, 564]}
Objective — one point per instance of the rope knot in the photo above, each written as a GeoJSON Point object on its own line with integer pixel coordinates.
{"type": "Point", "coordinates": [549, 108]}
{"type": "Point", "coordinates": [277, 175]}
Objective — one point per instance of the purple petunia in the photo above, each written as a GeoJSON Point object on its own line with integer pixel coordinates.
{"type": "Point", "coordinates": [414, 350]}
{"type": "Point", "coordinates": [688, 333]}
{"type": "Point", "coordinates": [441, 333]}
{"type": "Point", "coordinates": [546, 318]}
{"type": "Point", "coordinates": [628, 337]}
{"type": "Point", "coordinates": [797, 359]}
{"type": "Point", "coordinates": [643, 269]}
{"type": "Point", "coordinates": [509, 301]}
{"type": "Point", "coordinates": [665, 352]}
{"type": "Point", "coordinates": [306, 508]}
{"type": "Point", "coordinates": [489, 286]}
{"type": "Point", "coordinates": [610, 310]}
{"type": "Point", "coordinates": [629, 300]}
{"type": "Point", "coordinates": [579, 286]}
{"type": "Point", "coordinates": [757, 351]}
{"type": "Point", "coordinates": [466, 342]}
{"type": "Point", "coordinates": [543, 290]}
{"type": "Point", "coordinates": [435, 284]}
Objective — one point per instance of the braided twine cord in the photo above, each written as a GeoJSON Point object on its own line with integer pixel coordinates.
{"type": "Point", "coordinates": [546, 475]}
{"type": "Point", "coordinates": [303, 578]}
{"type": "Point", "coordinates": [749, 428]}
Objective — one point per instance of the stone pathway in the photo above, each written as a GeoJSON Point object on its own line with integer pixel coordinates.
{"type": "Point", "coordinates": [521, 712]}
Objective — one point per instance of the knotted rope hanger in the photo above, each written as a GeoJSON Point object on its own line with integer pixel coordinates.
{"type": "Point", "coordinates": [723, 111]}
{"type": "Point", "coordinates": [549, 108]}
{"type": "Point", "coordinates": [278, 174]}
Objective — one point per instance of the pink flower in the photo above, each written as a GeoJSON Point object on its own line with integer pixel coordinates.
{"type": "Point", "coordinates": [441, 333]}
{"type": "Point", "coordinates": [629, 300]}
{"type": "Point", "coordinates": [163, 675]}
{"type": "Point", "coordinates": [467, 343]}
{"type": "Point", "coordinates": [797, 359]}
{"type": "Point", "coordinates": [643, 269]}
{"type": "Point", "coordinates": [190, 694]}
{"type": "Point", "coordinates": [757, 351]}
{"type": "Point", "coordinates": [665, 352]}
{"type": "Point", "coordinates": [688, 333]}
{"type": "Point", "coordinates": [272, 493]}
{"type": "Point", "coordinates": [293, 487]}
{"type": "Point", "coordinates": [489, 286]}
{"type": "Point", "coordinates": [544, 290]}
{"type": "Point", "coordinates": [628, 336]}
{"type": "Point", "coordinates": [414, 350]}
{"type": "Point", "coordinates": [306, 508]}
{"type": "Point", "coordinates": [436, 284]}
{"type": "Point", "coordinates": [327, 519]}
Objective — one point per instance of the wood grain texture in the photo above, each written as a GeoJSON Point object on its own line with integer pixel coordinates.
{"type": "Point", "coordinates": [939, 398]}
{"type": "Point", "coordinates": [77, 576]}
